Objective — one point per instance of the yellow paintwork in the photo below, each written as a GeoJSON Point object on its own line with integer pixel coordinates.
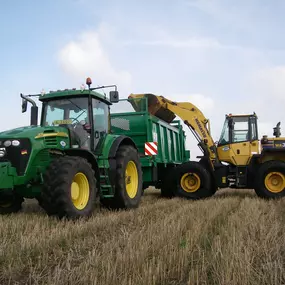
{"type": "Point", "coordinates": [80, 191]}
{"type": "Point", "coordinates": [229, 153]}
{"type": "Point", "coordinates": [62, 122]}
{"type": "Point", "coordinates": [131, 179]}
{"type": "Point", "coordinates": [275, 182]}
{"type": "Point", "coordinates": [58, 134]}
{"type": "Point", "coordinates": [190, 182]}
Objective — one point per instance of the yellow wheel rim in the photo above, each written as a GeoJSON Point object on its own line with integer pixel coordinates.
{"type": "Point", "coordinates": [190, 182]}
{"type": "Point", "coordinates": [275, 182]}
{"type": "Point", "coordinates": [131, 179]}
{"type": "Point", "coordinates": [80, 191]}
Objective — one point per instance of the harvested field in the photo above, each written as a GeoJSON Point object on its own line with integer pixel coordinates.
{"type": "Point", "coordinates": [232, 238]}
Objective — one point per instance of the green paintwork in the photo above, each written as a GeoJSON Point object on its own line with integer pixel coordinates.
{"type": "Point", "coordinates": [39, 156]}
{"type": "Point", "coordinates": [75, 93]}
{"type": "Point", "coordinates": [46, 141]}
{"type": "Point", "coordinates": [143, 127]}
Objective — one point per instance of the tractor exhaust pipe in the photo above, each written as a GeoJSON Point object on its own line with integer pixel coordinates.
{"type": "Point", "coordinates": [34, 109]}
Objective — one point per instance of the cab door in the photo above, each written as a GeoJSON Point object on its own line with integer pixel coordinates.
{"type": "Point", "coordinates": [241, 142]}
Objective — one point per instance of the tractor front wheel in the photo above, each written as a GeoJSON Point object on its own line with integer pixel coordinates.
{"type": "Point", "coordinates": [128, 187]}
{"type": "Point", "coordinates": [69, 188]}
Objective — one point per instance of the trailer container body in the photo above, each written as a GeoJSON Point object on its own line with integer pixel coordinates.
{"type": "Point", "coordinates": [161, 145]}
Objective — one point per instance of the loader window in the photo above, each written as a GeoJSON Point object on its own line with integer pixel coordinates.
{"type": "Point", "coordinates": [253, 123]}
{"type": "Point", "coordinates": [240, 129]}
{"type": "Point", "coordinates": [224, 139]}
{"type": "Point", "coordinates": [236, 131]}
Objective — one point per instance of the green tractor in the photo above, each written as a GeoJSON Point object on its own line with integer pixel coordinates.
{"type": "Point", "coordinates": [71, 158]}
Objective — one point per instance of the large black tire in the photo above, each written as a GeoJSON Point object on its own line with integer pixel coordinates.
{"type": "Point", "coordinates": [13, 204]}
{"type": "Point", "coordinates": [193, 181]}
{"type": "Point", "coordinates": [265, 180]}
{"type": "Point", "coordinates": [126, 156]}
{"type": "Point", "coordinates": [63, 175]}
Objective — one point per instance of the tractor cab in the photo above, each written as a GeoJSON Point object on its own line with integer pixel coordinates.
{"type": "Point", "coordinates": [84, 113]}
{"type": "Point", "coordinates": [239, 139]}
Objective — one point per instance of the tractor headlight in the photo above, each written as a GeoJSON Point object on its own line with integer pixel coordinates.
{"type": "Point", "coordinates": [2, 152]}
{"type": "Point", "coordinates": [7, 143]}
{"type": "Point", "coordinates": [15, 143]}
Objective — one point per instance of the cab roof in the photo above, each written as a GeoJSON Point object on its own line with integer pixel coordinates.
{"type": "Point", "coordinates": [61, 94]}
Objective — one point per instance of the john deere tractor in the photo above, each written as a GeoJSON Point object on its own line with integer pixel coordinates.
{"type": "Point", "coordinates": [70, 158]}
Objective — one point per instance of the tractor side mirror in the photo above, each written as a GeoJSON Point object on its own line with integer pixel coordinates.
{"type": "Point", "coordinates": [24, 105]}
{"type": "Point", "coordinates": [114, 96]}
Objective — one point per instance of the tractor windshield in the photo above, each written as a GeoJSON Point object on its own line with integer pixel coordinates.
{"type": "Point", "coordinates": [65, 112]}
{"type": "Point", "coordinates": [71, 113]}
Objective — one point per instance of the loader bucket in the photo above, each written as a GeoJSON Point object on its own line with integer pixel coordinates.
{"type": "Point", "coordinates": [155, 106]}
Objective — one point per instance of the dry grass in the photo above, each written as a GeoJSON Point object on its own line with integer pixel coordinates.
{"type": "Point", "coordinates": [232, 238]}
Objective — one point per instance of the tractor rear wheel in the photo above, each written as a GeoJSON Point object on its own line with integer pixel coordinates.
{"type": "Point", "coordinates": [193, 181]}
{"type": "Point", "coordinates": [270, 180]}
{"type": "Point", "coordinates": [12, 204]}
{"type": "Point", "coordinates": [70, 188]}
{"type": "Point", "coordinates": [128, 185]}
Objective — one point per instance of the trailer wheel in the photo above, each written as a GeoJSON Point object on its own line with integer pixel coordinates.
{"type": "Point", "coordinates": [11, 205]}
{"type": "Point", "coordinates": [128, 187]}
{"type": "Point", "coordinates": [270, 180]}
{"type": "Point", "coordinates": [193, 181]}
{"type": "Point", "coordinates": [70, 188]}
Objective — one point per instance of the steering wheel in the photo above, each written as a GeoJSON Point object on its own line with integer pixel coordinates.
{"type": "Point", "coordinates": [74, 119]}
{"type": "Point", "coordinates": [75, 124]}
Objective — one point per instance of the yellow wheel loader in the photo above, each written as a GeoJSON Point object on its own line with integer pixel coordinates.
{"type": "Point", "coordinates": [238, 160]}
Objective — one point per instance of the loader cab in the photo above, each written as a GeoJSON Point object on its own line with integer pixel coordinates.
{"type": "Point", "coordinates": [239, 139]}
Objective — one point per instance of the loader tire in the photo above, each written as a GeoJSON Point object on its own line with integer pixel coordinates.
{"type": "Point", "coordinates": [11, 205]}
{"type": "Point", "coordinates": [128, 183]}
{"type": "Point", "coordinates": [193, 181]}
{"type": "Point", "coordinates": [69, 189]}
{"type": "Point", "coordinates": [270, 180]}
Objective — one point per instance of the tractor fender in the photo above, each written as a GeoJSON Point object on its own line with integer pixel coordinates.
{"type": "Point", "coordinates": [88, 155]}
{"type": "Point", "coordinates": [121, 140]}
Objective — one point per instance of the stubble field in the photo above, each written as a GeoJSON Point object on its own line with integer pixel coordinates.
{"type": "Point", "coordinates": [232, 238]}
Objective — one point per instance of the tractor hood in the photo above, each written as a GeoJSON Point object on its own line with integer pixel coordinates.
{"type": "Point", "coordinates": [34, 132]}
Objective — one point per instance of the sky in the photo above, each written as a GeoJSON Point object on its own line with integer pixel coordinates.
{"type": "Point", "coordinates": [223, 56]}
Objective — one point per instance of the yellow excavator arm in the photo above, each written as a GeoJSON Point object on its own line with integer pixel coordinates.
{"type": "Point", "coordinates": [167, 110]}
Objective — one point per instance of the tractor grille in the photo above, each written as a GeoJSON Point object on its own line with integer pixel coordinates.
{"type": "Point", "coordinates": [18, 156]}
{"type": "Point", "coordinates": [51, 141]}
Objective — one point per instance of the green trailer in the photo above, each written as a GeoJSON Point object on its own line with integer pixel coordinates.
{"type": "Point", "coordinates": [79, 152]}
{"type": "Point", "coordinates": [161, 146]}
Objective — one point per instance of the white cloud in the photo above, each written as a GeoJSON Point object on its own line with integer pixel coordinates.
{"type": "Point", "coordinates": [270, 82]}
{"type": "Point", "coordinates": [86, 56]}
